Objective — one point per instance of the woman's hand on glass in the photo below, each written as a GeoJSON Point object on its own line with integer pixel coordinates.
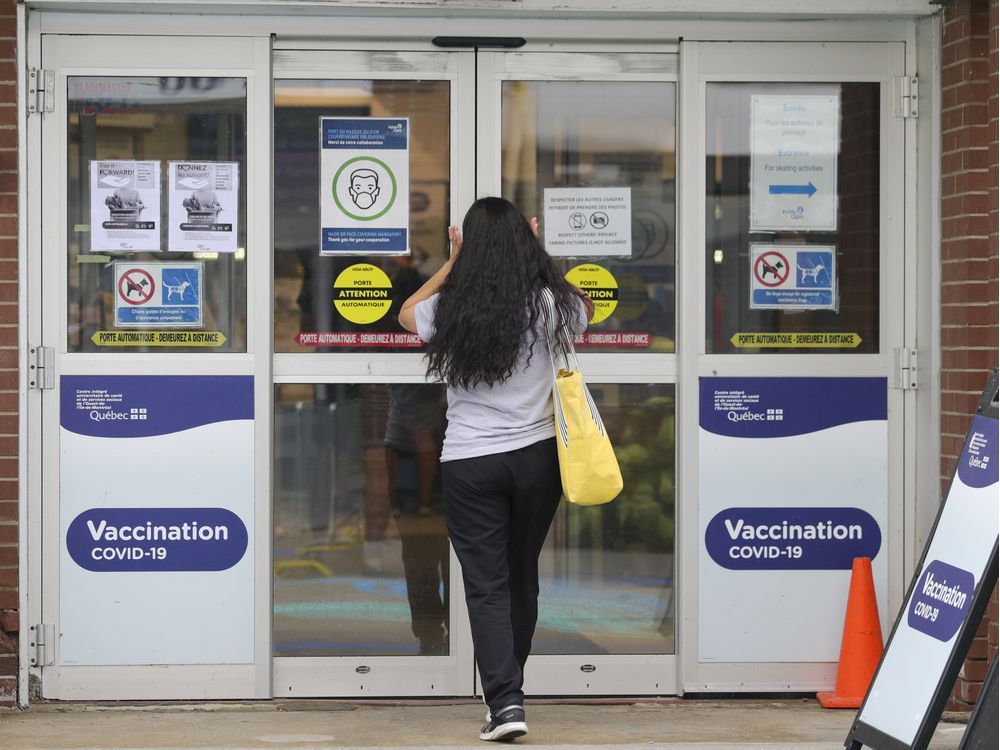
{"type": "Point", "coordinates": [455, 238]}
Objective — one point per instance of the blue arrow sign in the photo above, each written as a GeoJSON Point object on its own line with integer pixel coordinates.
{"type": "Point", "coordinates": [807, 189]}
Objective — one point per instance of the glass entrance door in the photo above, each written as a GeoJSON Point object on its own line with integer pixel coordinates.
{"type": "Point", "coordinates": [586, 142]}
{"type": "Point", "coordinates": [367, 595]}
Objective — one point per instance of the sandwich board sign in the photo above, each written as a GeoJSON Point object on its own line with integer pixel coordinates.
{"type": "Point", "coordinates": [945, 601]}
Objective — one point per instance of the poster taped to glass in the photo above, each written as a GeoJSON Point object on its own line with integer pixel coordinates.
{"type": "Point", "coordinates": [364, 185]}
{"type": "Point", "coordinates": [203, 206]}
{"type": "Point", "coordinates": [125, 206]}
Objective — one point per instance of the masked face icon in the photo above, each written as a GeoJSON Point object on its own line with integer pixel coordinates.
{"type": "Point", "coordinates": [364, 188]}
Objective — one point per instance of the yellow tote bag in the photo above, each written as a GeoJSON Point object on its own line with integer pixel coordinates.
{"type": "Point", "coordinates": [587, 463]}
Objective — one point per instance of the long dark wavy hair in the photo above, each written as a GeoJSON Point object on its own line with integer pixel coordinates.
{"type": "Point", "coordinates": [491, 302]}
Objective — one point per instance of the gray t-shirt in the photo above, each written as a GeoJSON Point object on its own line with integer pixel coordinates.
{"type": "Point", "coordinates": [514, 414]}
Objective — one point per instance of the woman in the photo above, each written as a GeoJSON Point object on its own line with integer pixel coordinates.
{"type": "Point", "coordinates": [483, 316]}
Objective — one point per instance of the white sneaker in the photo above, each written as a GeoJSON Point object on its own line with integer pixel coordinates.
{"type": "Point", "coordinates": [505, 725]}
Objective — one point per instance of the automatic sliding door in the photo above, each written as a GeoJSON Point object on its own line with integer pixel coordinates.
{"type": "Point", "coordinates": [593, 156]}
{"type": "Point", "coordinates": [364, 601]}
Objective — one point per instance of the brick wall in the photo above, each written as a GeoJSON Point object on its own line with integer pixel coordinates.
{"type": "Point", "coordinates": [8, 354]}
{"type": "Point", "coordinates": [968, 255]}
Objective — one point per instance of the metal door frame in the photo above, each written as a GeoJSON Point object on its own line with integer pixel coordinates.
{"type": "Point", "coordinates": [345, 29]}
{"type": "Point", "coordinates": [613, 674]}
{"type": "Point", "coordinates": [248, 58]}
{"type": "Point", "coordinates": [805, 62]}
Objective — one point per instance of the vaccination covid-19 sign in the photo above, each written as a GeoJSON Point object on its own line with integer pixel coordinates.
{"type": "Point", "coordinates": [156, 516]}
{"type": "Point", "coordinates": [792, 487]}
{"type": "Point", "coordinates": [939, 604]}
{"type": "Point", "coordinates": [364, 185]}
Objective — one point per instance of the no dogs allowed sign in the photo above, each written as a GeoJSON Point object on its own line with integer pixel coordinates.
{"type": "Point", "coordinates": [158, 295]}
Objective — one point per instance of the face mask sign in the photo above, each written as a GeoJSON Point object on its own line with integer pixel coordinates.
{"type": "Point", "coordinates": [364, 186]}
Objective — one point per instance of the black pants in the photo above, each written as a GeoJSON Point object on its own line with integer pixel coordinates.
{"type": "Point", "coordinates": [499, 509]}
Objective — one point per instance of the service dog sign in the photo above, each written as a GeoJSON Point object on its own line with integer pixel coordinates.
{"type": "Point", "coordinates": [158, 295]}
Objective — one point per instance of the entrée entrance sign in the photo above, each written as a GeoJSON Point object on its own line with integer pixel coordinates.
{"type": "Point", "coordinates": [794, 141]}
{"type": "Point", "coordinates": [945, 602]}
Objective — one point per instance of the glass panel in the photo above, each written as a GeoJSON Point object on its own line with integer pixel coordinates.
{"type": "Point", "coordinates": [773, 286]}
{"type": "Point", "coordinates": [118, 297]}
{"type": "Point", "coordinates": [303, 279]}
{"type": "Point", "coordinates": [360, 544]}
{"type": "Point", "coordinates": [607, 581]}
{"type": "Point", "coordinates": [588, 136]}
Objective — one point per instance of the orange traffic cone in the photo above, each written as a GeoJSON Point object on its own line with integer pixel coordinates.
{"type": "Point", "coordinates": [861, 645]}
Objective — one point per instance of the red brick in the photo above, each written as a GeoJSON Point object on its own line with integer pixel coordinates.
{"type": "Point", "coordinates": [8, 468]}
{"type": "Point", "coordinates": [955, 707]}
{"type": "Point", "coordinates": [953, 248]}
{"type": "Point", "coordinates": [8, 555]}
{"type": "Point", "coordinates": [964, 182]}
{"type": "Point", "coordinates": [8, 665]}
{"type": "Point", "coordinates": [8, 599]}
{"type": "Point", "coordinates": [978, 158]}
{"type": "Point", "coordinates": [975, 203]}
{"type": "Point", "coordinates": [10, 622]}
{"type": "Point", "coordinates": [978, 649]}
{"type": "Point", "coordinates": [972, 269]}
{"type": "Point", "coordinates": [968, 292]}
{"type": "Point", "coordinates": [961, 336]}
{"type": "Point", "coordinates": [974, 670]}
{"type": "Point", "coordinates": [8, 579]}
{"type": "Point", "coordinates": [8, 401]}
{"type": "Point", "coordinates": [969, 691]}
{"type": "Point", "coordinates": [968, 314]}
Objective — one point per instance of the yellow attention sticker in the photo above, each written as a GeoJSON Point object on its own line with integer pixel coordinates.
{"type": "Point", "coordinates": [598, 282]}
{"type": "Point", "coordinates": [791, 340]}
{"type": "Point", "coordinates": [362, 293]}
{"type": "Point", "coordinates": [158, 338]}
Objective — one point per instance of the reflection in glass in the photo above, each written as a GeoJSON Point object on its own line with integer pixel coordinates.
{"type": "Point", "coordinates": [360, 543]}
{"type": "Point", "coordinates": [583, 134]}
{"type": "Point", "coordinates": [159, 119]}
{"type": "Point", "coordinates": [607, 582]}
{"type": "Point", "coordinates": [727, 230]}
{"type": "Point", "coordinates": [304, 280]}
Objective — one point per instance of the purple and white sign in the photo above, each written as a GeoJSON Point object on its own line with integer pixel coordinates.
{"type": "Point", "coordinates": [125, 406]}
{"type": "Point", "coordinates": [940, 603]}
{"type": "Point", "coordinates": [941, 600]}
{"type": "Point", "coordinates": [156, 539]}
{"type": "Point", "coordinates": [156, 503]}
{"type": "Point", "coordinates": [792, 487]}
{"type": "Point", "coordinates": [977, 467]}
{"type": "Point", "coordinates": [792, 538]}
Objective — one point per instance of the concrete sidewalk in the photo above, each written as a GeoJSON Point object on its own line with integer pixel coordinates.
{"type": "Point", "coordinates": [650, 725]}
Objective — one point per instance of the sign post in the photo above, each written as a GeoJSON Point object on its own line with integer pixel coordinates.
{"type": "Point", "coordinates": [945, 601]}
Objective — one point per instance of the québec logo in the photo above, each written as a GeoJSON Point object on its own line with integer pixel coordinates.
{"type": "Point", "coordinates": [977, 444]}
{"type": "Point", "coordinates": [770, 415]}
{"type": "Point", "coordinates": [118, 416]}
